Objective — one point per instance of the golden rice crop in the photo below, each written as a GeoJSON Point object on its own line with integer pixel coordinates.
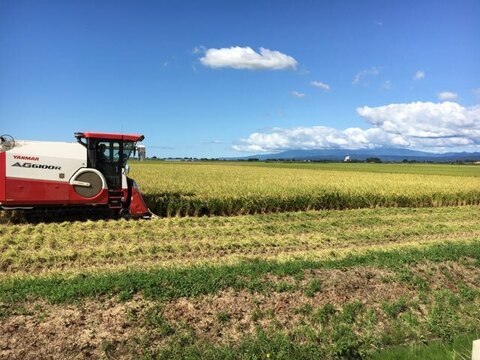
{"type": "Point", "coordinates": [196, 189]}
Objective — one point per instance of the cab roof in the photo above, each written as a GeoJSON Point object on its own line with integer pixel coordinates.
{"type": "Point", "coordinates": [109, 136]}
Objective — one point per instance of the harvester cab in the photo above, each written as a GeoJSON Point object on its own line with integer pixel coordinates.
{"type": "Point", "coordinates": [108, 153]}
{"type": "Point", "coordinates": [90, 174]}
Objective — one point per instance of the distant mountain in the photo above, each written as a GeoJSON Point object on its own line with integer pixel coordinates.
{"type": "Point", "coordinates": [363, 154]}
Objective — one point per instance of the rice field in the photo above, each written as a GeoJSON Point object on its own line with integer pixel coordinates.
{"type": "Point", "coordinates": [386, 268]}
{"type": "Point", "coordinates": [197, 189]}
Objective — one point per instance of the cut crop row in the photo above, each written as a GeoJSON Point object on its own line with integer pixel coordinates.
{"type": "Point", "coordinates": [30, 249]}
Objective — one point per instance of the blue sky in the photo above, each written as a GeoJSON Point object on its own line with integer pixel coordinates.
{"type": "Point", "coordinates": [193, 78]}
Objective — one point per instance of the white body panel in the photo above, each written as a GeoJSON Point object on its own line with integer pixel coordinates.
{"type": "Point", "coordinates": [51, 161]}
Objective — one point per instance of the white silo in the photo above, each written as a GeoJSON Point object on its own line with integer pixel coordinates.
{"type": "Point", "coordinates": [142, 152]}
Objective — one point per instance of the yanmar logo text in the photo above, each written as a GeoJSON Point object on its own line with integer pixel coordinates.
{"type": "Point", "coordinates": [37, 166]}
{"type": "Point", "coordinates": [24, 157]}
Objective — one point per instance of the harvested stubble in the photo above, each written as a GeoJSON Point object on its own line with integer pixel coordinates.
{"type": "Point", "coordinates": [83, 246]}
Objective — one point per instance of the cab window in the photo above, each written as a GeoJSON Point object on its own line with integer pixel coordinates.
{"type": "Point", "coordinates": [115, 151]}
{"type": "Point", "coordinates": [103, 151]}
{"type": "Point", "coordinates": [108, 151]}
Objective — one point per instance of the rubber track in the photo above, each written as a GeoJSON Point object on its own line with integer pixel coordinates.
{"type": "Point", "coordinates": [55, 214]}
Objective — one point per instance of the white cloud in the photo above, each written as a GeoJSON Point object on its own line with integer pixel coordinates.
{"type": "Point", "coordinates": [363, 74]}
{"type": "Point", "coordinates": [320, 85]}
{"type": "Point", "coordinates": [447, 95]}
{"type": "Point", "coordinates": [420, 74]}
{"type": "Point", "coordinates": [316, 137]}
{"type": "Point", "coordinates": [425, 120]}
{"type": "Point", "coordinates": [297, 94]}
{"type": "Point", "coordinates": [246, 58]}
{"type": "Point", "coordinates": [387, 85]}
{"type": "Point", "coordinates": [418, 125]}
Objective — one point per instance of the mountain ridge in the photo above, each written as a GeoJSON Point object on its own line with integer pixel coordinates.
{"type": "Point", "coordinates": [385, 154]}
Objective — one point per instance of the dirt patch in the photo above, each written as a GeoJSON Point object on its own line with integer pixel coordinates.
{"type": "Point", "coordinates": [245, 311]}
{"type": "Point", "coordinates": [88, 330]}
{"type": "Point", "coordinates": [449, 274]}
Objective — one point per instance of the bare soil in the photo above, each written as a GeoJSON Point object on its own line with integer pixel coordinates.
{"type": "Point", "coordinates": [81, 331]}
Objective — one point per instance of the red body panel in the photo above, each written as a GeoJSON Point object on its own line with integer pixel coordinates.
{"type": "Point", "coordinates": [41, 192]}
{"type": "Point", "coordinates": [35, 192]}
{"type": "Point", "coordinates": [2, 177]}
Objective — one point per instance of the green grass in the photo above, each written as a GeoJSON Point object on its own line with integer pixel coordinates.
{"type": "Point", "coordinates": [164, 283]}
{"type": "Point", "coordinates": [459, 348]}
{"type": "Point", "coordinates": [279, 346]}
{"type": "Point", "coordinates": [261, 346]}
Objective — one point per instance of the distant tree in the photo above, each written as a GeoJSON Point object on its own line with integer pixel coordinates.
{"type": "Point", "coordinates": [373, 160]}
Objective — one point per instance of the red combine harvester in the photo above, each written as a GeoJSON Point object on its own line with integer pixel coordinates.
{"type": "Point", "coordinates": [87, 176]}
